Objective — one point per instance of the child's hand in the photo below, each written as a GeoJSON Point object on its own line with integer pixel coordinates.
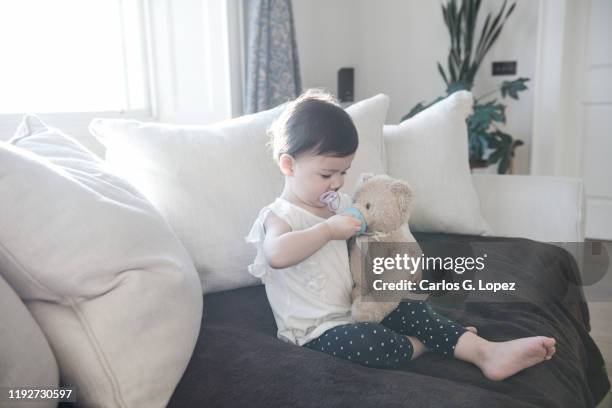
{"type": "Point", "coordinates": [342, 226]}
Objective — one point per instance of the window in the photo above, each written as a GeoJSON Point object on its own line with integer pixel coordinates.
{"type": "Point", "coordinates": [73, 56]}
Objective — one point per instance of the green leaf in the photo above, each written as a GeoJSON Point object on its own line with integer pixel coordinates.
{"type": "Point", "coordinates": [485, 114]}
{"type": "Point", "coordinates": [494, 143]}
{"type": "Point", "coordinates": [476, 8]}
{"type": "Point", "coordinates": [499, 16]}
{"type": "Point", "coordinates": [415, 109]}
{"type": "Point", "coordinates": [441, 71]}
{"type": "Point", "coordinates": [504, 165]}
{"type": "Point", "coordinates": [492, 40]}
{"type": "Point", "coordinates": [510, 11]}
{"type": "Point", "coordinates": [451, 12]}
{"type": "Point", "coordinates": [512, 88]}
{"type": "Point", "coordinates": [470, 28]}
{"type": "Point", "coordinates": [451, 68]}
{"type": "Point", "coordinates": [464, 67]}
{"type": "Point", "coordinates": [504, 146]}
{"type": "Point", "coordinates": [495, 156]}
{"type": "Point", "coordinates": [470, 23]}
{"type": "Point", "coordinates": [456, 60]}
{"type": "Point", "coordinates": [459, 29]}
{"type": "Point", "coordinates": [489, 38]}
{"type": "Point", "coordinates": [445, 14]}
{"type": "Point", "coordinates": [483, 35]}
{"type": "Point", "coordinates": [471, 73]}
{"type": "Point", "coordinates": [504, 138]}
{"type": "Point", "coordinates": [477, 143]}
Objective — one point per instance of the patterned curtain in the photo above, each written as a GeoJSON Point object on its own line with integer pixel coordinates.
{"type": "Point", "coordinates": [273, 70]}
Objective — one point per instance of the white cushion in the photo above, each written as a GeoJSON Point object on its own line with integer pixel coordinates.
{"type": "Point", "coordinates": [430, 152]}
{"type": "Point", "coordinates": [369, 117]}
{"type": "Point", "coordinates": [211, 181]}
{"type": "Point", "coordinates": [102, 273]}
{"type": "Point", "coordinates": [27, 360]}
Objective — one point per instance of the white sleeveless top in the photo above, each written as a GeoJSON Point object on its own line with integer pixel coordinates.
{"type": "Point", "coordinates": [312, 296]}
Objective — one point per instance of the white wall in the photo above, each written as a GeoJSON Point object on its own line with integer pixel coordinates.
{"type": "Point", "coordinates": [325, 32]}
{"type": "Point", "coordinates": [401, 43]}
{"type": "Point", "coordinates": [394, 46]}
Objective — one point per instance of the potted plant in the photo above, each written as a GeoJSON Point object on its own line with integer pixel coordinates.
{"type": "Point", "coordinates": [464, 59]}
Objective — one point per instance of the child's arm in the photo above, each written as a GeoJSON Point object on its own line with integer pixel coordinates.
{"type": "Point", "coordinates": [284, 248]}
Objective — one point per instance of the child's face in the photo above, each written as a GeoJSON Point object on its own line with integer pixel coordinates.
{"type": "Point", "coordinates": [313, 175]}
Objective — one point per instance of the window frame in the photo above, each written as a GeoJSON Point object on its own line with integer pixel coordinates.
{"type": "Point", "coordinates": [74, 122]}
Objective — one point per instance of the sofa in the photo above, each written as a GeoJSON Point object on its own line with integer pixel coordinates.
{"type": "Point", "coordinates": [123, 272]}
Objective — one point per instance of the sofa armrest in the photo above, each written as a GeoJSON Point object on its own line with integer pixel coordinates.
{"type": "Point", "coordinates": [542, 208]}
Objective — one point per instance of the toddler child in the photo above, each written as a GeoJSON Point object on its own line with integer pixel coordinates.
{"type": "Point", "coordinates": [302, 259]}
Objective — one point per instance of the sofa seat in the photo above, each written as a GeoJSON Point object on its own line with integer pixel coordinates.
{"type": "Point", "coordinates": [238, 361]}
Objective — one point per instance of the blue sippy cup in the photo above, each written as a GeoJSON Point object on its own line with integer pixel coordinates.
{"type": "Point", "coordinates": [354, 212]}
{"type": "Point", "coordinates": [332, 199]}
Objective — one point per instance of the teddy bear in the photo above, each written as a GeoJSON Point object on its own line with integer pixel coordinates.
{"type": "Point", "coordinates": [384, 205]}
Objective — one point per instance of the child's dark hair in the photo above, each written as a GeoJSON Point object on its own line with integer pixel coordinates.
{"type": "Point", "coordinates": [314, 122]}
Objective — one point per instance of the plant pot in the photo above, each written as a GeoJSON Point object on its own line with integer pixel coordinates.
{"type": "Point", "coordinates": [478, 164]}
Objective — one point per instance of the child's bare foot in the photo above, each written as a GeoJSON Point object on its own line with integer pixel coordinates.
{"type": "Point", "coordinates": [504, 359]}
{"type": "Point", "coordinates": [472, 329]}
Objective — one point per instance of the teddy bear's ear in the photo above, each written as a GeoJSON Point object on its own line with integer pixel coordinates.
{"type": "Point", "coordinates": [404, 194]}
{"type": "Point", "coordinates": [364, 176]}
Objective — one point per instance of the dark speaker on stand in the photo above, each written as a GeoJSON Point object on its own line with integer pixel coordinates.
{"type": "Point", "coordinates": [346, 84]}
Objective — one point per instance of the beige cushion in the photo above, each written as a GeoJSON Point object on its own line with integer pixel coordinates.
{"type": "Point", "coordinates": [25, 356]}
{"type": "Point", "coordinates": [430, 152]}
{"type": "Point", "coordinates": [102, 273]}
{"type": "Point", "coordinates": [211, 181]}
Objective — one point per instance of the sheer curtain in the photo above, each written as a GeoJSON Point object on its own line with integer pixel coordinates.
{"type": "Point", "coordinates": [273, 71]}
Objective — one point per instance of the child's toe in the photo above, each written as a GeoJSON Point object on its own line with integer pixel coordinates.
{"type": "Point", "coordinates": [550, 351]}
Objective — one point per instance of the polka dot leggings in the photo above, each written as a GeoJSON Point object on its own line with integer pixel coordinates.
{"type": "Point", "coordinates": [384, 344]}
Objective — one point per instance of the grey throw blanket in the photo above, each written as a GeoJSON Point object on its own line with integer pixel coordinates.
{"type": "Point", "coordinates": [238, 362]}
